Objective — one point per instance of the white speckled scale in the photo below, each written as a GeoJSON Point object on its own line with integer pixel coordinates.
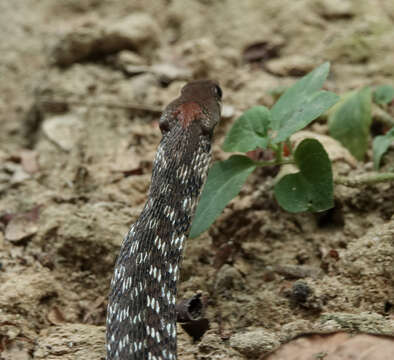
{"type": "Point", "coordinates": [141, 316]}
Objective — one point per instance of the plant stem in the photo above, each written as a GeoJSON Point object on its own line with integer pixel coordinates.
{"type": "Point", "coordinates": [288, 143]}
{"type": "Point", "coordinates": [274, 162]}
{"type": "Point", "coordinates": [364, 179]}
{"type": "Point", "coordinates": [132, 107]}
{"type": "Point", "coordinates": [279, 153]}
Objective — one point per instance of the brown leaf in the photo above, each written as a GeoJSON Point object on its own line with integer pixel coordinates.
{"type": "Point", "coordinates": [261, 51]}
{"type": "Point", "coordinates": [335, 150]}
{"type": "Point", "coordinates": [22, 225]}
{"type": "Point", "coordinates": [55, 316]}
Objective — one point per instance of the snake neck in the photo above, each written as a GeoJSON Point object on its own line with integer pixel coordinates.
{"type": "Point", "coordinates": [179, 173]}
{"type": "Point", "coordinates": [141, 318]}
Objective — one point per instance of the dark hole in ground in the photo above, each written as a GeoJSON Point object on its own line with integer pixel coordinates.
{"type": "Point", "coordinates": [331, 218]}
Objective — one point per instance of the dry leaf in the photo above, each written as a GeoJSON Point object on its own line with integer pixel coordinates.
{"type": "Point", "coordinates": [22, 225]}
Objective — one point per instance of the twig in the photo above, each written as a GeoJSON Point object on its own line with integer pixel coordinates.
{"type": "Point", "coordinates": [132, 107]}
{"type": "Point", "coordinates": [364, 179]}
{"type": "Point", "coordinates": [274, 162]}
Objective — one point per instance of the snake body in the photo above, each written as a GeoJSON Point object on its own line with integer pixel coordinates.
{"type": "Point", "coordinates": [141, 316]}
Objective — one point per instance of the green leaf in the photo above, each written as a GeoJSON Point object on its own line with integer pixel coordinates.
{"type": "Point", "coordinates": [302, 103]}
{"type": "Point", "coordinates": [249, 131]}
{"type": "Point", "coordinates": [225, 180]}
{"type": "Point", "coordinates": [293, 96]}
{"type": "Point", "coordinates": [380, 146]}
{"type": "Point", "coordinates": [383, 94]}
{"type": "Point", "coordinates": [312, 107]}
{"type": "Point", "coordinates": [349, 121]}
{"type": "Point", "coordinates": [312, 188]}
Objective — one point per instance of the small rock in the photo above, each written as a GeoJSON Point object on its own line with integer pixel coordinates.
{"type": "Point", "coordinates": [22, 226]}
{"type": "Point", "coordinates": [228, 111]}
{"type": "Point", "coordinates": [334, 9]}
{"type": "Point", "coordinates": [63, 130]}
{"type": "Point", "coordinates": [25, 291]}
{"type": "Point", "coordinates": [75, 46]}
{"type": "Point", "coordinates": [29, 161]}
{"type": "Point", "coordinates": [19, 176]}
{"type": "Point", "coordinates": [72, 341]}
{"type": "Point", "coordinates": [300, 292]}
{"type": "Point", "coordinates": [209, 343]}
{"type": "Point", "coordinates": [137, 32]}
{"type": "Point", "coordinates": [130, 62]}
{"type": "Point", "coordinates": [168, 73]}
{"type": "Point", "coordinates": [228, 278]}
{"type": "Point", "coordinates": [295, 328]}
{"type": "Point", "coordinates": [359, 260]}
{"type": "Point", "coordinates": [255, 343]}
{"type": "Point", "coordinates": [297, 271]}
{"type": "Point", "coordinates": [294, 65]}
{"type": "Point", "coordinates": [127, 57]}
{"type": "Point", "coordinates": [364, 322]}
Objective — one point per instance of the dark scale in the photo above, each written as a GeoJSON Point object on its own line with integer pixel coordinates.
{"type": "Point", "coordinates": [182, 223]}
{"type": "Point", "coordinates": [141, 317]}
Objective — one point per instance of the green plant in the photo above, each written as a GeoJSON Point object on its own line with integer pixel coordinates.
{"type": "Point", "coordinates": [312, 187]}
{"type": "Point", "coordinates": [383, 95]}
{"type": "Point", "coordinates": [350, 119]}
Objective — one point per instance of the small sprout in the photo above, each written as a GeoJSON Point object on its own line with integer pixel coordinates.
{"type": "Point", "coordinates": [383, 94]}
{"type": "Point", "coordinates": [349, 121]}
{"type": "Point", "coordinates": [380, 145]}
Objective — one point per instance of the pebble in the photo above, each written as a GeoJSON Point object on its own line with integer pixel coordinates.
{"type": "Point", "coordinates": [335, 9]}
{"type": "Point", "coordinates": [138, 32]}
{"type": "Point", "coordinates": [63, 130]}
{"type": "Point", "coordinates": [228, 278]}
{"type": "Point", "coordinates": [254, 343]}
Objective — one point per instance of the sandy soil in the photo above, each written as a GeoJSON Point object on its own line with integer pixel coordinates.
{"type": "Point", "coordinates": [82, 83]}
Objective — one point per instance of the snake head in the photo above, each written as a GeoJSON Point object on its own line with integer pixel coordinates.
{"type": "Point", "coordinates": [199, 104]}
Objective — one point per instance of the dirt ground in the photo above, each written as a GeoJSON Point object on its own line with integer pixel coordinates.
{"type": "Point", "coordinates": [82, 83]}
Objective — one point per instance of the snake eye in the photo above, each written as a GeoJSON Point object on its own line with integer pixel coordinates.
{"type": "Point", "coordinates": [218, 92]}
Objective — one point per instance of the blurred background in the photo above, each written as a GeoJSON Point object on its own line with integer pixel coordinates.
{"type": "Point", "coordinates": [82, 85]}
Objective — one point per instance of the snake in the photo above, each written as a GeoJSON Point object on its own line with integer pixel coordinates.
{"type": "Point", "coordinates": [141, 312]}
